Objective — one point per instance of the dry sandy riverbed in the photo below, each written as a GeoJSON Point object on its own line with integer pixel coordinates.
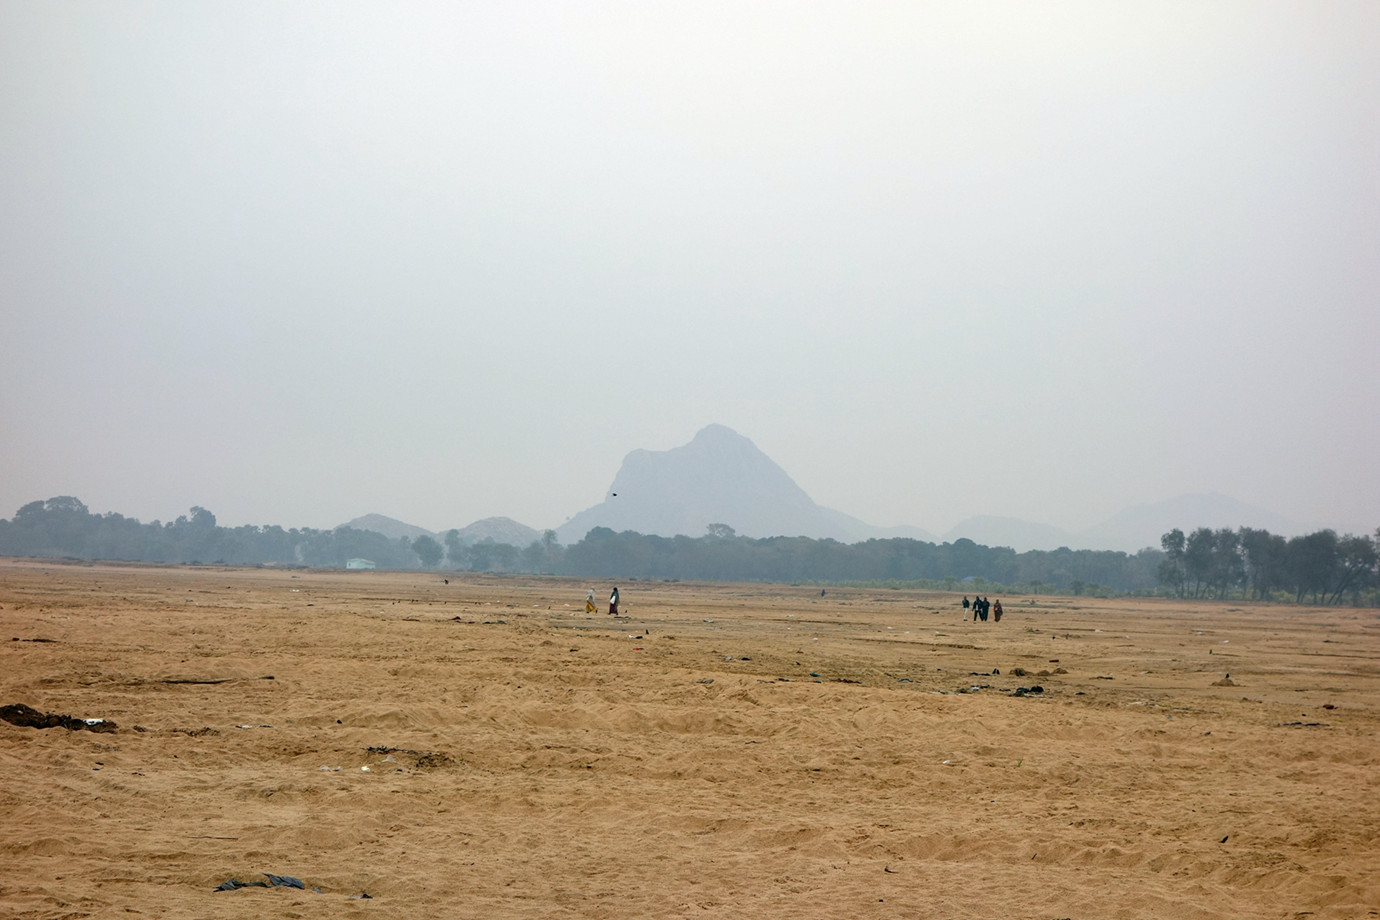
{"type": "Point", "coordinates": [485, 749]}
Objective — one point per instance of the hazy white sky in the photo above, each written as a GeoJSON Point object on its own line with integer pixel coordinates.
{"type": "Point", "coordinates": [299, 262]}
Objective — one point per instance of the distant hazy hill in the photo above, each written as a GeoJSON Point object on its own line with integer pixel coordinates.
{"type": "Point", "coordinates": [1021, 536]}
{"type": "Point", "coordinates": [1142, 525]}
{"type": "Point", "coordinates": [720, 477]}
{"type": "Point", "coordinates": [392, 528]}
{"type": "Point", "coordinates": [1129, 530]}
{"type": "Point", "coordinates": [499, 530]}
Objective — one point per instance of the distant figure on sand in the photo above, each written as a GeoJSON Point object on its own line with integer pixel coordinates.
{"type": "Point", "coordinates": [613, 602]}
{"type": "Point", "coordinates": [965, 606]}
{"type": "Point", "coordinates": [589, 602]}
{"type": "Point", "coordinates": [996, 611]}
{"type": "Point", "coordinates": [981, 604]}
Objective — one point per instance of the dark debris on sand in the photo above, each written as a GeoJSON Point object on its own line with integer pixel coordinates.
{"type": "Point", "coordinates": [27, 716]}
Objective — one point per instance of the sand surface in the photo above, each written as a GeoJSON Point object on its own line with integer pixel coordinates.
{"type": "Point", "coordinates": [724, 751]}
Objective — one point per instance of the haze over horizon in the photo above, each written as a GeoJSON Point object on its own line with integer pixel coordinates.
{"type": "Point", "coordinates": [299, 262]}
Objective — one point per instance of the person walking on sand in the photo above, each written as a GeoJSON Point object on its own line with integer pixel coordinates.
{"type": "Point", "coordinates": [982, 608]}
{"type": "Point", "coordinates": [613, 602]}
{"type": "Point", "coordinates": [589, 602]}
{"type": "Point", "coordinates": [965, 606]}
{"type": "Point", "coordinates": [996, 611]}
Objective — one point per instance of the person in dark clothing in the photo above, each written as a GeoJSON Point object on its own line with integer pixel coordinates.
{"type": "Point", "coordinates": [965, 606]}
{"type": "Point", "coordinates": [613, 602]}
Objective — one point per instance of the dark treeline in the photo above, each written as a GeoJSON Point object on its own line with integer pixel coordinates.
{"type": "Point", "coordinates": [723, 556]}
{"type": "Point", "coordinates": [1321, 567]}
{"type": "Point", "coordinates": [64, 527]}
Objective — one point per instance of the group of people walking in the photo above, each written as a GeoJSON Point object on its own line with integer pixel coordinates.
{"type": "Point", "coordinates": [613, 602]}
{"type": "Point", "coordinates": [981, 607]}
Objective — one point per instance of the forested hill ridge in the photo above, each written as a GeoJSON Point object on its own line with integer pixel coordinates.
{"type": "Point", "coordinates": [491, 529]}
{"type": "Point", "coordinates": [1321, 567]}
{"type": "Point", "coordinates": [389, 527]}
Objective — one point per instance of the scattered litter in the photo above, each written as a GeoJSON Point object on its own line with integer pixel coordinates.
{"type": "Point", "coordinates": [422, 760]}
{"type": "Point", "coordinates": [325, 769]}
